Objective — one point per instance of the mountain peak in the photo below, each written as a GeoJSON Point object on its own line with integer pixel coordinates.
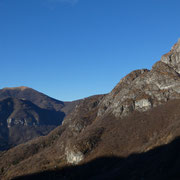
{"type": "Point", "coordinates": [16, 88]}
{"type": "Point", "coordinates": [176, 47]}
{"type": "Point", "coordinates": [172, 58]}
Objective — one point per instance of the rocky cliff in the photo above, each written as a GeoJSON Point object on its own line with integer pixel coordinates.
{"type": "Point", "coordinates": [144, 89]}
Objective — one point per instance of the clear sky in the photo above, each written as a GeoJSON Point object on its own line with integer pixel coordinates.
{"type": "Point", "coordinates": [70, 49]}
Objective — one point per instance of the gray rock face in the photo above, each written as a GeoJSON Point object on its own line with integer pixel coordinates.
{"type": "Point", "coordinates": [143, 89]}
{"type": "Point", "coordinates": [76, 147]}
{"type": "Point", "coordinates": [142, 104]}
{"type": "Point", "coordinates": [73, 157]}
{"type": "Point", "coordinates": [173, 57]}
{"type": "Point", "coordinates": [140, 91]}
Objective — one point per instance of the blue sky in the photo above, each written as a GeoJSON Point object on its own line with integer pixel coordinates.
{"type": "Point", "coordinates": [70, 49]}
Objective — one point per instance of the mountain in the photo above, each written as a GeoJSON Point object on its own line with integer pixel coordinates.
{"type": "Point", "coordinates": [130, 133]}
{"type": "Point", "coordinates": [32, 95]}
{"type": "Point", "coordinates": [21, 120]}
{"type": "Point", "coordinates": [26, 113]}
{"type": "Point", "coordinates": [38, 98]}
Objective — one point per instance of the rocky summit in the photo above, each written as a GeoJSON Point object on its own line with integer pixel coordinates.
{"type": "Point", "coordinates": [144, 89]}
{"type": "Point", "coordinates": [130, 133]}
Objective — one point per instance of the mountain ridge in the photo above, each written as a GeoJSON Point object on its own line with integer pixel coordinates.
{"type": "Point", "coordinates": [19, 88]}
{"type": "Point", "coordinates": [32, 95]}
{"type": "Point", "coordinates": [138, 115]}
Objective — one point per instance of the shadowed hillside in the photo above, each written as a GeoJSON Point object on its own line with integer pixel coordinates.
{"type": "Point", "coordinates": [109, 137]}
{"type": "Point", "coordinates": [21, 120]}
{"type": "Point", "coordinates": [26, 113]}
{"type": "Point", "coordinates": [160, 163]}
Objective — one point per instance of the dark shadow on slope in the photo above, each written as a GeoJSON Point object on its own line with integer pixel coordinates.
{"type": "Point", "coordinates": [46, 117]}
{"type": "Point", "coordinates": [6, 108]}
{"type": "Point", "coordinates": [21, 121]}
{"type": "Point", "coordinates": [160, 163]}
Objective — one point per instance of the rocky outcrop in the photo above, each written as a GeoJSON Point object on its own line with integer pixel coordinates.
{"type": "Point", "coordinates": [143, 89]}
{"type": "Point", "coordinates": [77, 146]}
{"type": "Point", "coordinates": [139, 91]}
{"type": "Point", "coordinates": [173, 57]}
{"type": "Point", "coordinates": [142, 105]}
{"type": "Point", "coordinates": [74, 157]}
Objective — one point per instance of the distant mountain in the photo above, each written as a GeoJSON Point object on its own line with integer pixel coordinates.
{"type": "Point", "coordinates": [26, 113]}
{"type": "Point", "coordinates": [32, 95]}
{"type": "Point", "coordinates": [21, 120]}
{"type": "Point", "coordinates": [38, 98]}
{"type": "Point", "coordinates": [130, 133]}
